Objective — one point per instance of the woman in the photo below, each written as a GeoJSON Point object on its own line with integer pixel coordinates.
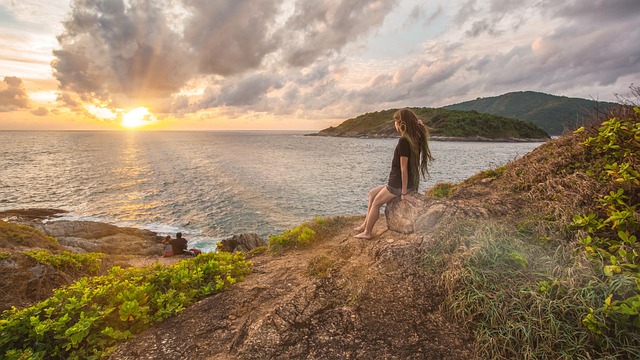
{"type": "Point", "coordinates": [410, 160]}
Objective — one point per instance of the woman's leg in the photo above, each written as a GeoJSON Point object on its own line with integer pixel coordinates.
{"type": "Point", "coordinates": [383, 197]}
{"type": "Point", "coordinates": [372, 195]}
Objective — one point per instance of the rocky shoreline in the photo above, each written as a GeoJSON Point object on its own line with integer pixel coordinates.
{"type": "Point", "coordinates": [87, 236]}
{"type": "Point", "coordinates": [435, 138]}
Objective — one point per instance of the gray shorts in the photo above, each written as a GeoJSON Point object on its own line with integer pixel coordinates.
{"type": "Point", "coordinates": [394, 191]}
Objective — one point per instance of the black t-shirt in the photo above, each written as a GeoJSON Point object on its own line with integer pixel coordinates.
{"type": "Point", "coordinates": [178, 245]}
{"type": "Point", "coordinates": [395, 176]}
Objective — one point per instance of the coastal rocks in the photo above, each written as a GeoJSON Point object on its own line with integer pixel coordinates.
{"type": "Point", "coordinates": [91, 236]}
{"type": "Point", "coordinates": [243, 242]}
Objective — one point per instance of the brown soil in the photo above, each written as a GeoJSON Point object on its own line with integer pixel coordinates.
{"type": "Point", "coordinates": [343, 298]}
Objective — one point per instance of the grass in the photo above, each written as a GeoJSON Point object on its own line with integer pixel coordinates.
{"type": "Point", "coordinates": [529, 285]}
{"type": "Point", "coordinates": [522, 299]}
{"type": "Point", "coordinates": [13, 236]}
{"type": "Point", "coordinates": [320, 266]}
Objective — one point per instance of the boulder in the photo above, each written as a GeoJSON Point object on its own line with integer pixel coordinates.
{"type": "Point", "coordinates": [429, 217]}
{"type": "Point", "coordinates": [401, 215]}
{"type": "Point", "coordinates": [243, 242]}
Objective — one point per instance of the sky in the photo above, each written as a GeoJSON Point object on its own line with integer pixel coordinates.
{"type": "Point", "coordinates": [297, 64]}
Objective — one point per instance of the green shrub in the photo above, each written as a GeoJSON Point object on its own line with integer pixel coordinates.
{"type": "Point", "coordinates": [89, 263]}
{"type": "Point", "coordinates": [299, 236]}
{"type": "Point", "coordinates": [307, 233]}
{"type": "Point", "coordinates": [87, 319]}
{"type": "Point", "coordinates": [4, 255]}
{"type": "Point", "coordinates": [610, 233]}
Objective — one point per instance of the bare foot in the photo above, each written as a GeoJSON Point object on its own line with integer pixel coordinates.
{"type": "Point", "coordinates": [359, 228]}
{"type": "Point", "coordinates": [363, 235]}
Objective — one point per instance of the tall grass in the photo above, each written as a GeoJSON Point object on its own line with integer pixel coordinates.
{"type": "Point", "coordinates": [521, 298]}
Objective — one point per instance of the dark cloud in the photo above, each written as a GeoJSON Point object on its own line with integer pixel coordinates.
{"type": "Point", "coordinates": [230, 37]}
{"type": "Point", "coordinates": [40, 111]}
{"type": "Point", "coordinates": [13, 95]}
{"type": "Point", "coordinates": [419, 14]}
{"type": "Point", "coordinates": [117, 52]}
{"type": "Point", "coordinates": [121, 52]}
{"type": "Point", "coordinates": [596, 12]}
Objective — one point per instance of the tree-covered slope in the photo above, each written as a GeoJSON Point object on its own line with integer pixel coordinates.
{"type": "Point", "coordinates": [441, 122]}
{"type": "Point", "coordinates": [554, 114]}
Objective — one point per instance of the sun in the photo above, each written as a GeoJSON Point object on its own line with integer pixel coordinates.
{"type": "Point", "coordinates": [137, 118]}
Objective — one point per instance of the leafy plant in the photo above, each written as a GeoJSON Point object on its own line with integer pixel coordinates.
{"type": "Point", "coordinates": [305, 234]}
{"type": "Point", "coordinates": [87, 319]}
{"type": "Point", "coordinates": [610, 236]}
{"type": "Point", "coordinates": [89, 263]}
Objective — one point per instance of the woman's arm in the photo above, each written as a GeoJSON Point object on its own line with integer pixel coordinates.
{"type": "Point", "coordinates": [404, 170]}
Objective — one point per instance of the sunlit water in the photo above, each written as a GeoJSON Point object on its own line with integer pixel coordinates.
{"type": "Point", "coordinates": [211, 185]}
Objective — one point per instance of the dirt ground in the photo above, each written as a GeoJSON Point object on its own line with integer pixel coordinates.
{"type": "Point", "coordinates": [343, 298]}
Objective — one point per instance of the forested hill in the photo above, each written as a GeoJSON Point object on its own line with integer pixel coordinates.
{"type": "Point", "coordinates": [554, 114]}
{"type": "Point", "coordinates": [442, 123]}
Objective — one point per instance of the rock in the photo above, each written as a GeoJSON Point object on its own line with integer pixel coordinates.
{"type": "Point", "coordinates": [401, 215]}
{"type": "Point", "coordinates": [91, 236]}
{"type": "Point", "coordinates": [243, 242]}
{"type": "Point", "coordinates": [429, 218]}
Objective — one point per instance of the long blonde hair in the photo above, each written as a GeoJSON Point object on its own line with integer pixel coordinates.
{"type": "Point", "coordinates": [418, 137]}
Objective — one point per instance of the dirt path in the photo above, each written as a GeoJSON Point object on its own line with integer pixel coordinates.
{"type": "Point", "coordinates": [373, 303]}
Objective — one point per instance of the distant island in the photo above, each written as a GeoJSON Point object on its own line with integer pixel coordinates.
{"type": "Point", "coordinates": [554, 114]}
{"type": "Point", "coordinates": [443, 124]}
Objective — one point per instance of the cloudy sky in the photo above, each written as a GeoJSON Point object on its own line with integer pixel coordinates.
{"type": "Point", "coordinates": [298, 64]}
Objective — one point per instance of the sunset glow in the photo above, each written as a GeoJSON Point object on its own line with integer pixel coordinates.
{"type": "Point", "coordinates": [184, 65]}
{"type": "Point", "coordinates": [138, 118]}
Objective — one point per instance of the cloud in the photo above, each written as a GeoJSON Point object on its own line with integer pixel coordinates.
{"type": "Point", "coordinates": [13, 95]}
{"type": "Point", "coordinates": [230, 37]}
{"type": "Point", "coordinates": [323, 57]}
{"type": "Point", "coordinates": [123, 53]}
{"type": "Point", "coordinates": [120, 53]}
{"type": "Point", "coordinates": [319, 28]}
{"type": "Point", "coordinates": [40, 111]}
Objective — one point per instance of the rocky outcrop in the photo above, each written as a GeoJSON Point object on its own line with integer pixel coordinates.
{"type": "Point", "coordinates": [372, 300]}
{"type": "Point", "coordinates": [91, 236]}
{"type": "Point", "coordinates": [242, 242]}
{"type": "Point", "coordinates": [25, 281]}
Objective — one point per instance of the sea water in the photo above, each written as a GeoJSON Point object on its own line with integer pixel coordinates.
{"type": "Point", "coordinates": [211, 185]}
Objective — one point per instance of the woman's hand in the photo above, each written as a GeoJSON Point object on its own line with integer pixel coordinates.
{"type": "Point", "coordinates": [408, 198]}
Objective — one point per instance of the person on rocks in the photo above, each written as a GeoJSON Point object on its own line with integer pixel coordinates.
{"type": "Point", "coordinates": [410, 160]}
{"type": "Point", "coordinates": [178, 245]}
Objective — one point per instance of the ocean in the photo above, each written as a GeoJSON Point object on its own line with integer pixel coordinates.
{"type": "Point", "coordinates": [212, 184]}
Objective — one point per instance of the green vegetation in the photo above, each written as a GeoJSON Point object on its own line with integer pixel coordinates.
{"type": "Point", "coordinates": [17, 236]}
{"type": "Point", "coordinates": [305, 234]}
{"type": "Point", "coordinates": [441, 122]}
{"type": "Point", "coordinates": [521, 299]}
{"type": "Point", "coordinates": [554, 114]}
{"type": "Point", "coordinates": [87, 319]}
{"type": "Point", "coordinates": [610, 234]}
{"type": "Point", "coordinates": [4, 255]}
{"type": "Point", "coordinates": [89, 263]}
{"type": "Point", "coordinates": [560, 279]}
{"type": "Point", "coordinates": [441, 190]}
